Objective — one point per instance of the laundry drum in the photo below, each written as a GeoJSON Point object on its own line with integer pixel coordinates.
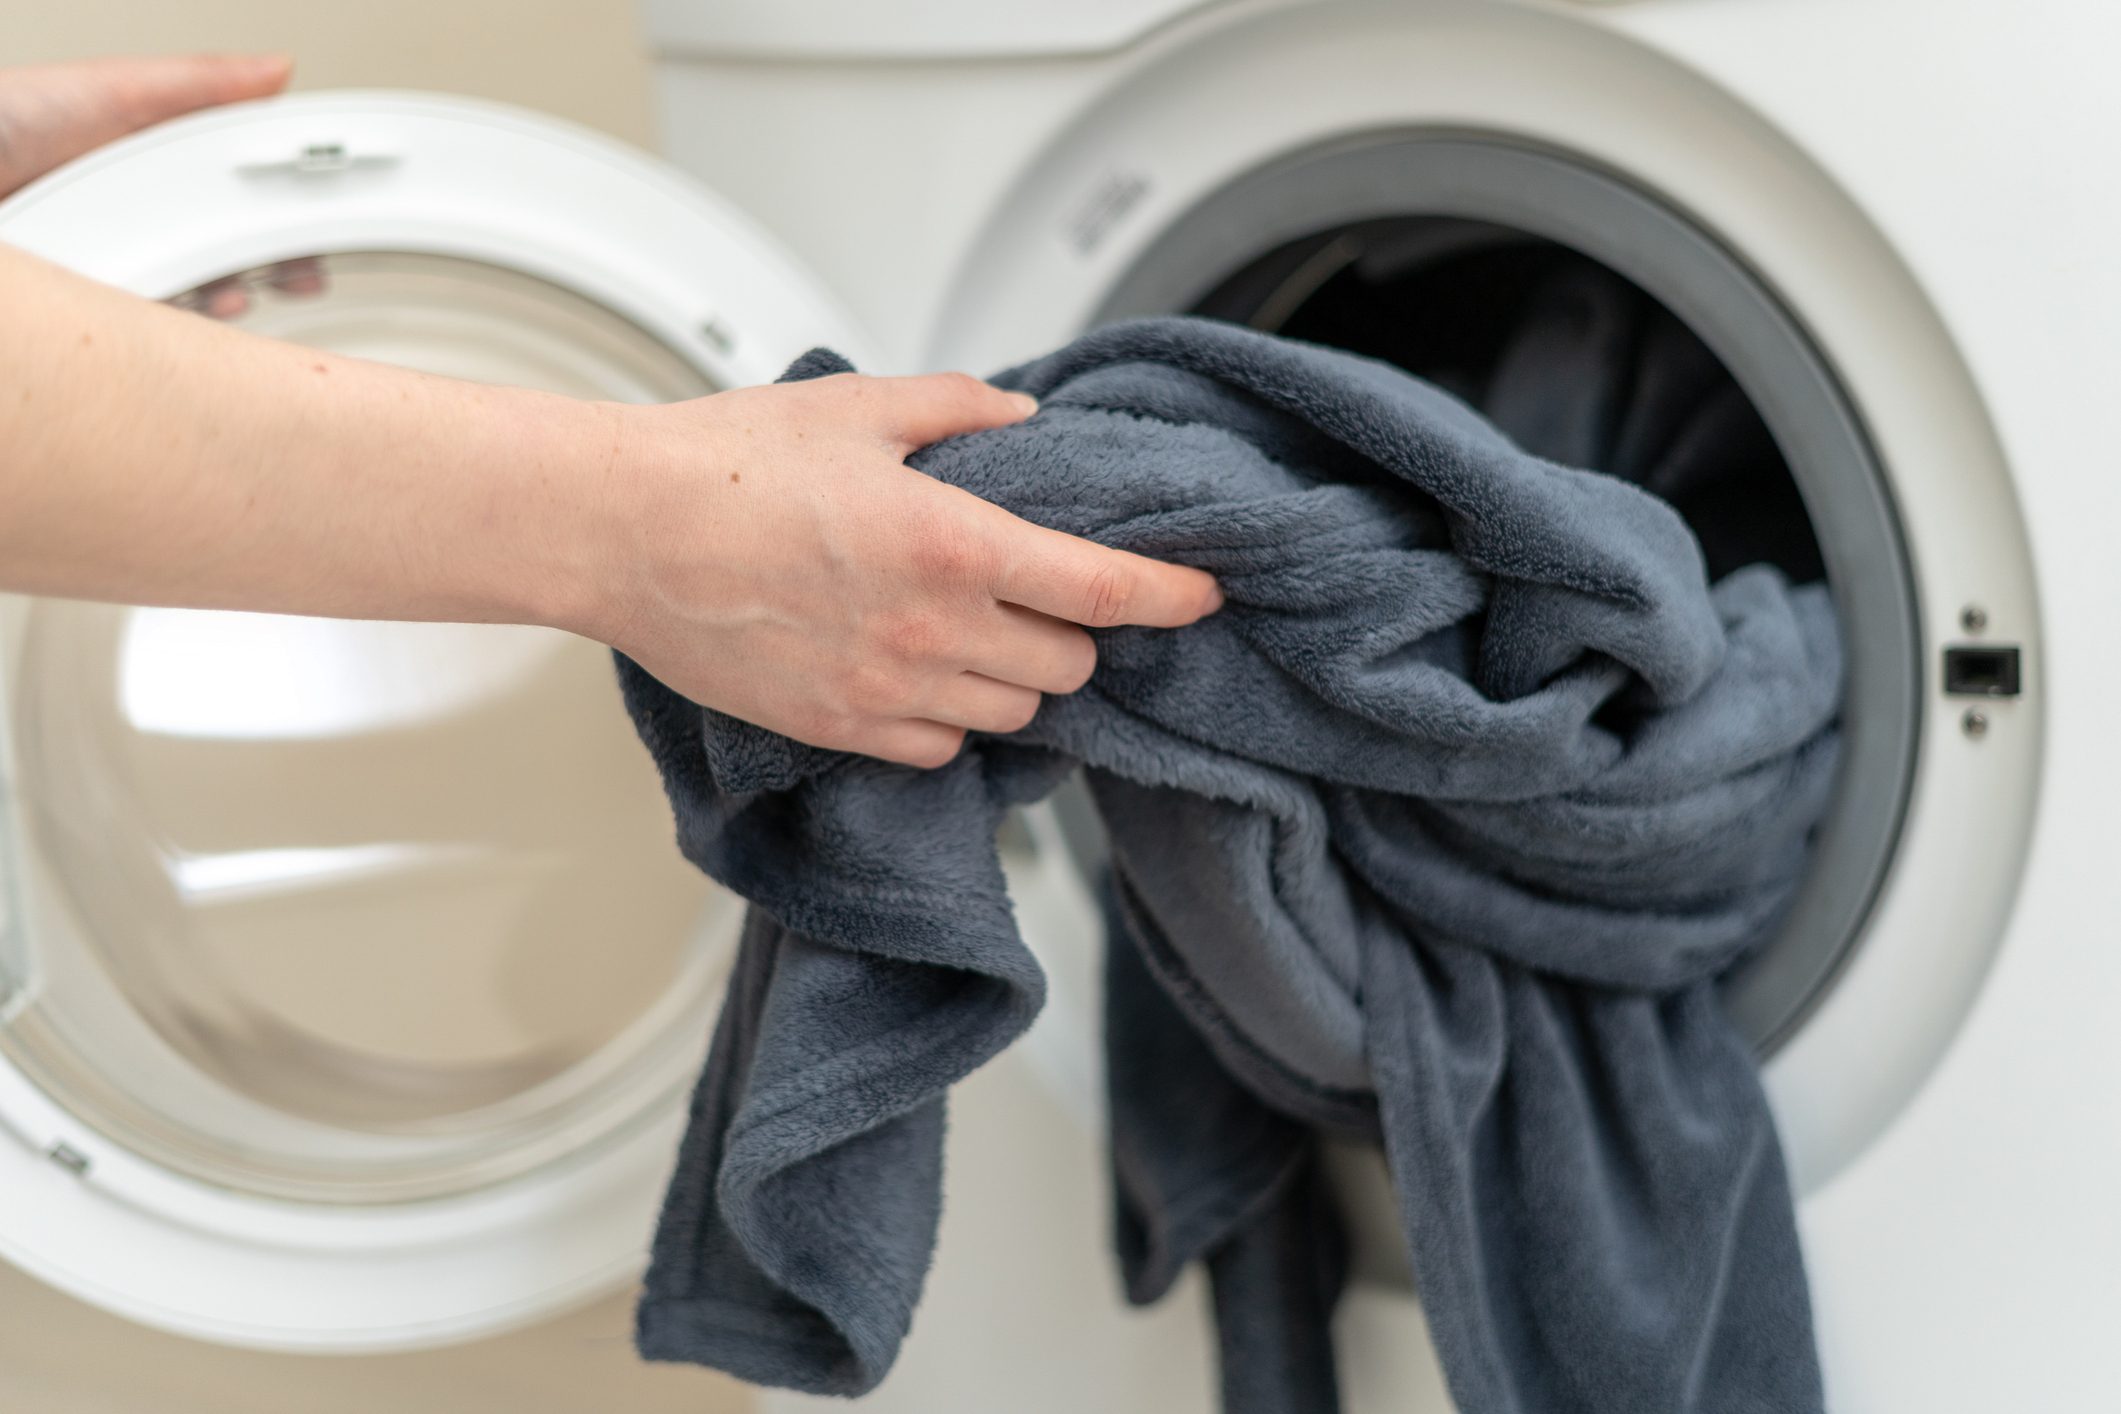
{"type": "Point", "coordinates": [1431, 250]}
{"type": "Point", "coordinates": [1427, 249]}
{"type": "Point", "coordinates": [352, 912]}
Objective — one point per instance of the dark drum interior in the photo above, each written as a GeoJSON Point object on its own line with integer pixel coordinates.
{"type": "Point", "coordinates": [1601, 326]}
{"type": "Point", "coordinates": [1573, 361]}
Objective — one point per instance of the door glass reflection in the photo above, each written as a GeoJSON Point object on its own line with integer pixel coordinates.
{"type": "Point", "coordinates": [357, 910]}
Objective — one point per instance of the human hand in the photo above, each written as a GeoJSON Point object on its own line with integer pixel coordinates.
{"type": "Point", "coordinates": [778, 561]}
{"type": "Point", "coordinates": [53, 113]}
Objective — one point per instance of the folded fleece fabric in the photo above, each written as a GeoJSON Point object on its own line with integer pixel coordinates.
{"type": "Point", "coordinates": [1437, 835]}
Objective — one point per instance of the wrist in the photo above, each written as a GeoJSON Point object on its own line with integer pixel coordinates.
{"type": "Point", "coordinates": [596, 497]}
{"type": "Point", "coordinates": [547, 518]}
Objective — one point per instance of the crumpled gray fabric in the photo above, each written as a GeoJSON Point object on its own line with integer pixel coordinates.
{"type": "Point", "coordinates": [1438, 834]}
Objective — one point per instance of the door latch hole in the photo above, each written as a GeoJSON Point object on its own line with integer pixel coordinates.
{"type": "Point", "coordinates": [1981, 672]}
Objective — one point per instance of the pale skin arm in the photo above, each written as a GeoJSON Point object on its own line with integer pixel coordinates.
{"type": "Point", "coordinates": [764, 551]}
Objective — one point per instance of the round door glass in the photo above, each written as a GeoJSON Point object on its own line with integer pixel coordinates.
{"type": "Point", "coordinates": [352, 911]}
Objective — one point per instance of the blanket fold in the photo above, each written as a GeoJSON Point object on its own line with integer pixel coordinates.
{"type": "Point", "coordinates": [1438, 835]}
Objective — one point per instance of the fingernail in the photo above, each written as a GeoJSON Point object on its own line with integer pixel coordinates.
{"type": "Point", "coordinates": [268, 67]}
{"type": "Point", "coordinates": [1215, 599]}
{"type": "Point", "coordinates": [1025, 401]}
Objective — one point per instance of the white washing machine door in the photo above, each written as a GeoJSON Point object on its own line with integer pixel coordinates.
{"type": "Point", "coordinates": [350, 988]}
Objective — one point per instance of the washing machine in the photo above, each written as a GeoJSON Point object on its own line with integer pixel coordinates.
{"type": "Point", "coordinates": [349, 987]}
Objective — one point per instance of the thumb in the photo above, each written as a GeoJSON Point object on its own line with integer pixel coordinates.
{"type": "Point", "coordinates": [150, 91]}
{"type": "Point", "coordinates": [53, 113]}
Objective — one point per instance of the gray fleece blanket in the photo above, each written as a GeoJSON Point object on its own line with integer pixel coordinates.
{"type": "Point", "coordinates": [1437, 835]}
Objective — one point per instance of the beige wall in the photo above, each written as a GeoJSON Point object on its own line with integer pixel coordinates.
{"type": "Point", "coordinates": [580, 59]}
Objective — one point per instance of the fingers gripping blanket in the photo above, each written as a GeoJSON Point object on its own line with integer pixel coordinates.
{"type": "Point", "coordinates": [1436, 836]}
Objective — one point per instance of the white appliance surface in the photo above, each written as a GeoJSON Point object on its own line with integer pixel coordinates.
{"type": "Point", "coordinates": [1920, 184]}
{"type": "Point", "coordinates": [1918, 181]}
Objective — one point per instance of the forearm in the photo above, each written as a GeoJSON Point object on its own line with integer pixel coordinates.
{"type": "Point", "coordinates": [765, 551]}
{"type": "Point", "coordinates": [152, 456]}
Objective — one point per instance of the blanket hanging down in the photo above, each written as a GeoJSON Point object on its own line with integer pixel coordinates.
{"type": "Point", "coordinates": [1438, 835]}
